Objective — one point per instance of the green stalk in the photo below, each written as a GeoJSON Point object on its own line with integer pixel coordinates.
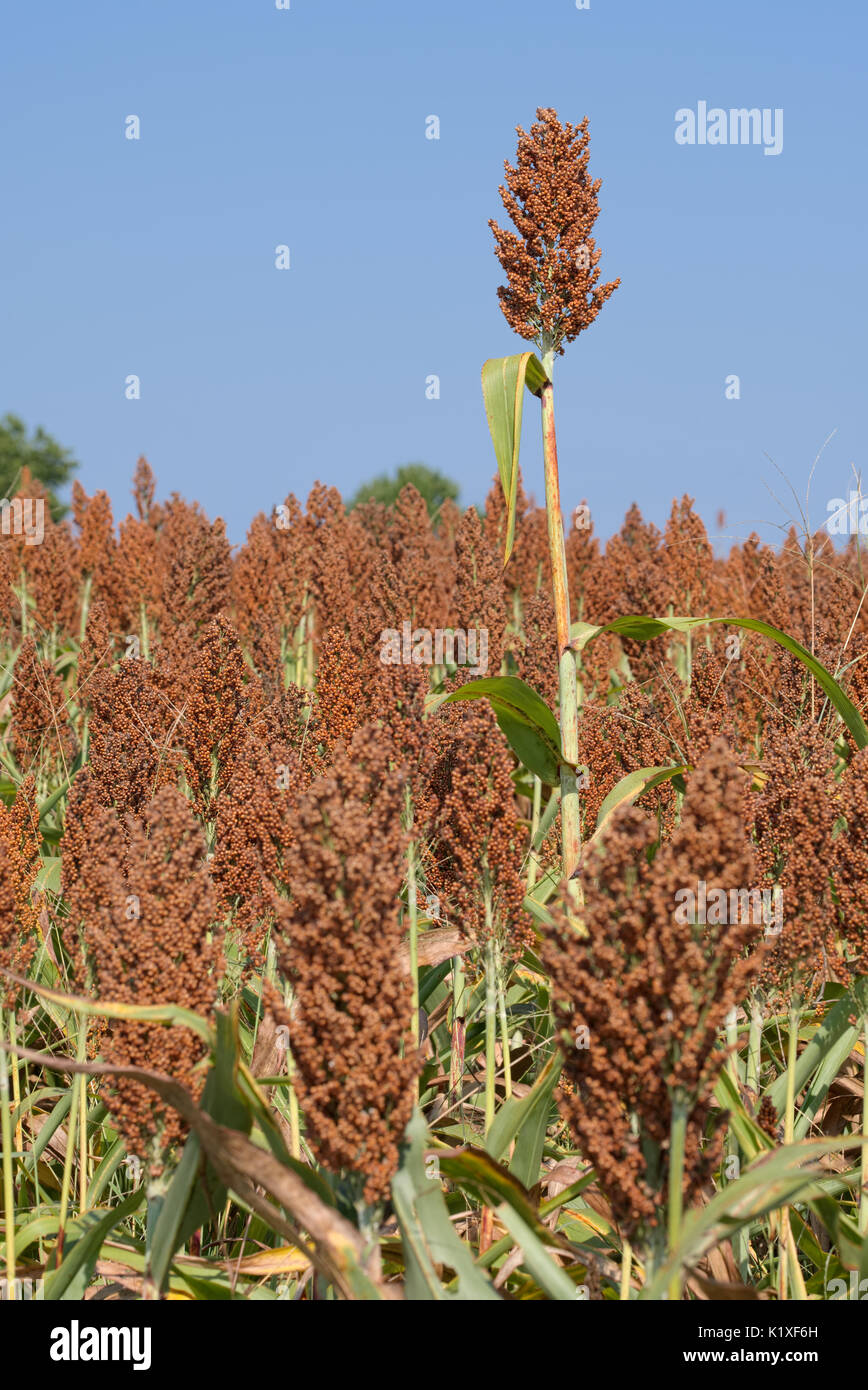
{"type": "Point", "coordinates": [16, 1086]}
{"type": "Point", "coordinates": [740, 1244]}
{"type": "Point", "coordinates": [788, 1258]}
{"type": "Point", "coordinates": [490, 1029]}
{"type": "Point", "coordinates": [754, 1045]}
{"type": "Point", "coordinates": [626, 1267]}
{"type": "Point", "coordinates": [146, 641]}
{"type": "Point", "coordinates": [85, 607]}
{"type": "Point", "coordinates": [678, 1132]}
{"type": "Point", "coordinates": [504, 1023]}
{"type": "Point", "coordinates": [731, 1043]}
{"type": "Point", "coordinates": [66, 1184]}
{"type": "Point", "coordinates": [413, 914]}
{"type": "Point", "coordinates": [299, 644]}
{"type": "Point", "coordinates": [82, 1148]}
{"type": "Point", "coordinates": [533, 865]}
{"type": "Point", "coordinates": [863, 1195]}
{"type": "Point", "coordinates": [294, 1113]}
{"type": "Point", "coordinates": [8, 1182]}
{"type": "Point", "coordinates": [456, 1060]}
{"type": "Point", "coordinates": [567, 690]}
{"type": "Point", "coordinates": [792, 1058]}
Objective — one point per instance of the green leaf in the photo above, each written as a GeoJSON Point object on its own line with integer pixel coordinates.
{"type": "Point", "coordinates": [50, 802]}
{"type": "Point", "coordinates": [524, 717]}
{"type": "Point", "coordinates": [48, 878]}
{"type": "Point", "coordinates": [503, 383]}
{"type": "Point", "coordinates": [752, 1140]}
{"type": "Point", "coordinates": [529, 1111]}
{"type": "Point", "coordinates": [625, 792]}
{"type": "Point", "coordinates": [428, 1236]}
{"type": "Point", "coordinates": [547, 819]}
{"type": "Point", "coordinates": [774, 1180]}
{"type": "Point", "coordinates": [824, 1056]}
{"type": "Point", "coordinates": [476, 1171]}
{"type": "Point", "coordinates": [642, 629]}
{"type": "Point", "coordinates": [184, 1207]}
{"type": "Point", "coordinates": [536, 1259]}
{"type": "Point", "coordinates": [107, 1167]}
{"type": "Point", "coordinates": [91, 1230]}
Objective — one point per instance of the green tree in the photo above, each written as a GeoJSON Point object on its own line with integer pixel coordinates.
{"type": "Point", "coordinates": [49, 463]}
{"type": "Point", "coordinates": [434, 487]}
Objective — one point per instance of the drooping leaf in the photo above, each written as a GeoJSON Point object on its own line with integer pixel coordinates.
{"type": "Point", "coordinates": [524, 717]}
{"type": "Point", "coordinates": [773, 1180]}
{"type": "Point", "coordinates": [641, 628]}
{"type": "Point", "coordinates": [629, 789]}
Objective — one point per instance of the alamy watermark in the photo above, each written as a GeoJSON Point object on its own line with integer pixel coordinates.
{"type": "Point", "coordinates": [727, 906]}
{"type": "Point", "coordinates": [23, 516]}
{"type": "Point", "coordinates": [77, 1343]}
{"type": "Point", "coordinates": [442, 646]}
{"type": "Point", "coordinates": [714, 125]}
{"type": "Point", "coordinates": [848, 516]}
{"type": "Point", "coordinates": [21, 1290]}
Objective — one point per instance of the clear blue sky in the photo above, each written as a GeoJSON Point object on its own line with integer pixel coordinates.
{"type": "Point", "coordinates": [307, 127]}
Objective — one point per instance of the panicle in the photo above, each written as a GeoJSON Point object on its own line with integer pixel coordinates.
{"type": "Point", "coordinates": [642, 998]}
{"type": "Point", "coordinates": [148, 937]}
{"type": "Point", "coordinates": [340, 940]}
{"type": "Point", "coordinates": [552, 291]}
{"type": "Point", "coordinates": [19, 865]}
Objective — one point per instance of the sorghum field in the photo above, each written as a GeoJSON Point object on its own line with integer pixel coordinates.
{"type": "Point", "coordinates": [435, 906]}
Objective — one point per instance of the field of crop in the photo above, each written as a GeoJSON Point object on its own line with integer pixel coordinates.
{"type": "Point", "coordinates": [417, 903]}
{"type": "Point", "coordinates": [297, 1002]}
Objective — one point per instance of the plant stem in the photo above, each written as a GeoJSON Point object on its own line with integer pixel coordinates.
{"type": "Point", "coordinates": [678, 1132]}
{"type": "Point", "coordinates": [754, 1045]}
{"type": "Point", "coordinates": [626, 1266]}
{"type": "Point", "coordinates": [456, 1061]}
{"type": "Point", "coordinates": [533, 865]}
{"type": "Point", "coordinates": [414, 929]}
{"type": "Point", "coordinates": [16, 1087]}
{"type": "Point", "coordinates": [504, 1023]}
{"type": "Point", "coordinates": [789, 1130]}
{"type": "Point", "coordinates": [863, 1195]}
{"type": "Point", "coordinates": [740, 1246]}
{"type": "Point", "coordinates": [567, 692]}
{"type": "Point", "coordinates": [490, 1031]}
{"type": "Point", "coordinates": [8, 1183]}
{"type": "Point", "coordinates": [82, 1148]}
{"type": "Point", "coordinates": [77, 1100]}
{"type": "Point", "coordinates": [294, 1113]}
{"type": "Point", "coordinates": [85, 607]}
{"type": "Point", "coordinates": [146, 642]}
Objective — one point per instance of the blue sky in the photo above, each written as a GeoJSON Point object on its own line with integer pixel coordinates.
{"type": "Point", "coordinates": [306, 127]}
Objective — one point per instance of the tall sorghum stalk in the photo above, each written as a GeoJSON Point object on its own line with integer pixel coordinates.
{"type": "Point", "coordinates": [413, 917]}
{"type": "Point", "coordinates": [863, 1195]}
{"type": "Point", "coordinates": [788, 1262]}
{"type": "Point", "coordinates": [534, 863]}
{"type": "Point", "coordinates": [503, 1019]}
{"type": "Point", "coordinates": [8, 1179]}
{"type": "Point", "coordinates": [567, 694]}
{"type": "Point", "coordinates": [459, 1030]}
{"type": "Point", "coordinates": [552, 295]}
{"type": "Point", "coordinates": [490, 1017]}
{"type": "Point", "coordinates": [678, 1133]}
